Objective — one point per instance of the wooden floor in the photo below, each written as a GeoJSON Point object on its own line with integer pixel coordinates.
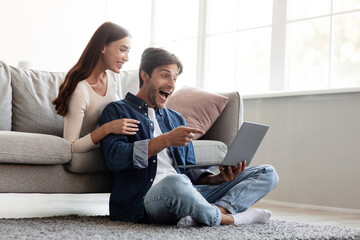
{"type": "Point", "coordinates": [42, 205]}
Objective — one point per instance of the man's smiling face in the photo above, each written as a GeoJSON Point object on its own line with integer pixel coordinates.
{"type": "Point", "coordinates": [161, 84]}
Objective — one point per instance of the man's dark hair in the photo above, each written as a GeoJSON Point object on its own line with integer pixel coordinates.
{"type": "Point", "coordinates": [156, 57]}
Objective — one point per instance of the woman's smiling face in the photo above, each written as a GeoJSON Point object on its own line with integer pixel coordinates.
{"type": "Point", "coordinates": [116, 53]}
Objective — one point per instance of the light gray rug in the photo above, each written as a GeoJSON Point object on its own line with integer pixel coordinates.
{"type": "Point", "coordinates": [100, 227]}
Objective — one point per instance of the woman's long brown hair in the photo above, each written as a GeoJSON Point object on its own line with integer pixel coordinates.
{"type": "Point", "coordinates": [105, 34]}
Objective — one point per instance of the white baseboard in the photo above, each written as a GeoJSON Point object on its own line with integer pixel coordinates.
{"type": "Point", "coordinates": [311, 207]}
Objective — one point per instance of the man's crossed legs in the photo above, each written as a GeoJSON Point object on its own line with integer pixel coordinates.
{"type": "Point", "coordinates": [175, 197]}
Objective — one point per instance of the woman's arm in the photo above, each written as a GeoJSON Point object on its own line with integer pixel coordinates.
{"type": "Point", "coordinates": [73, 121]}
{"type": "Point", "coordinates": [119, 126]}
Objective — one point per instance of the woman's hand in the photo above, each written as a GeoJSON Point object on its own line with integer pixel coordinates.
{"type": "Point", "coordinates": [123, 126]}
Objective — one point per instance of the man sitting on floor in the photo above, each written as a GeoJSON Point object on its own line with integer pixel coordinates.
{"type": "Point", "coordinates": [148, 185]}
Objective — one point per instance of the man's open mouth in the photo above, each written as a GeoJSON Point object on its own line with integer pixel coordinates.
{"type": "Point", "coordinates": [164, 94]}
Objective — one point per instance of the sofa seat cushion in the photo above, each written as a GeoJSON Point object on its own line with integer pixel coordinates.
{"type": "Point", "coordinates": [33, 148]}
{"type": "Point", "coordinates": [87, 162]}
{"type": "Point", "coordinates": [93, 161]}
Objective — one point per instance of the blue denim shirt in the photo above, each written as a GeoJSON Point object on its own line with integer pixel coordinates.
{"type": "Point", "coordinates": [127, 156]}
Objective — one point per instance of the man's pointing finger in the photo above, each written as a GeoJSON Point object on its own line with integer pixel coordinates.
{"type": "Point", "coordinates": [194, 130]}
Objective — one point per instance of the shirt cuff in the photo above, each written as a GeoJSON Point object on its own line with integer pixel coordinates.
{"type": "Point", "coordinates": [195, 173]}
{"type": "Point", "coordinates": [140, 154]}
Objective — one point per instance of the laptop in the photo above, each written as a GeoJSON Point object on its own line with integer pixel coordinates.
{"type": "Point", "coordinates": [244, 146]}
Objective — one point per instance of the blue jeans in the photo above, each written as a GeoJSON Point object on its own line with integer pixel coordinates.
{"type": "Point", "coordinates": [175, 196]}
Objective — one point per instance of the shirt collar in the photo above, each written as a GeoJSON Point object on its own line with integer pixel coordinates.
{"type": "Point", "coordinates": [134, 99]}
{"type": "Point", "coordinates": [141, 103]}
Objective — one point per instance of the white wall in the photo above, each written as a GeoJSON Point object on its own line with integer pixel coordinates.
{"type": "Point", "coordinates": [49, 34]}
{"type": "Point", "coordinates": [314, 143]}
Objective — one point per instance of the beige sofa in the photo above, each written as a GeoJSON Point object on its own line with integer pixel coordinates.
{"type": "Point", "coordinates": [34, 158]}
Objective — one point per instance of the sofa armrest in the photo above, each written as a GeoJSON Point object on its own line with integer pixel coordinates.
{"type": "Point", "coordinates": [226, 126]}
{"type": "Point", "coordinates": [33, 148]}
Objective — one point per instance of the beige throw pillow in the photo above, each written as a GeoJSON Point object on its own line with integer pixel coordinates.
{"type": "Point", "coordinates": [199, 108]}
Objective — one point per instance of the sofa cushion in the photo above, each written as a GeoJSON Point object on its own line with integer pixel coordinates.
{"type": "Point", "coordinates": [33, 148]}
{"type": "Point", "coordinates": [228, 123]}
{"type": "Point", "coordinates": [209, 151]}
{"type": "Point", "coordinates": [199, 108]}
{"type": "Point", "coordinates": [33, 92]}
{"type": "Point", "coordinates": [5, 97]}
{"type": "Point", "coordinates": [88, 162]}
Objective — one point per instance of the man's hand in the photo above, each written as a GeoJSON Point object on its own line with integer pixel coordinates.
{"type": "Point", "coordinates": [178, 137]}
{"type": "Point", "coordinates": [182, 136]}
{"type": "Point", "coordinates": [227, 173]}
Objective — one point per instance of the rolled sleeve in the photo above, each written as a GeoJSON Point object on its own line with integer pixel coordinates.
{"type": "Point", "coordinates": [140, 154]}
{"type": "Point", "coordinates": [194, 174]}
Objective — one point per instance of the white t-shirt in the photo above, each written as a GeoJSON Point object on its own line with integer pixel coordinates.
{"type": "Point", "coordinates": [84, 110]}
{"type": "Point", "coordinates": [165, 165]}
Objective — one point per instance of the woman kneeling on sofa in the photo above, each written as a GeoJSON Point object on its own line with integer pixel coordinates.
{"type": "Point", "coordinates": [90, 85]}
